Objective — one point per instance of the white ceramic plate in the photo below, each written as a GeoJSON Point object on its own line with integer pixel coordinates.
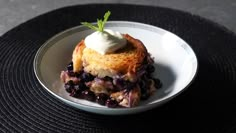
{"type": "Point", "coordinates": [175, 62]}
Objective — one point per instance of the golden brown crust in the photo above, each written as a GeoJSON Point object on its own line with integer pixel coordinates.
{"type": "Point", "coordinates": [123, 61]}
{"type": "Point", "coordinates": [77, 56]}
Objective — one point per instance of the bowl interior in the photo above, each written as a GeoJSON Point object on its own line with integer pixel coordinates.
{"type": "Point", "coordinates": [175, 63]}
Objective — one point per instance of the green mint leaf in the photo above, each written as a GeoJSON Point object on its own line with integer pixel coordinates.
{"type": "Point", "coordinates": [100, 23]}
{"type": "Point", "coordinates": [89, 25]}
{"type": "Point", "coordinates": [106, 16]}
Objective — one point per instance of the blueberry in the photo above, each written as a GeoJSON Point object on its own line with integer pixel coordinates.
{"type": "Point", "coordinates": [70, 82]}
{"type": "Point", "coordinates": [145, 96]}
{"type": "Point", "coordinates": [129, 85]}
{"type": "Point", "coordinates": [77, 74]}
{"type": "Point", "coordinates": [108, 78]}
{"type": "Point", "coordinates": [82, 86]}
{"type": "Point", "coordinates": [119, 84]}
{"type": "Point", "coordinates": [144, 90]}
{"type": "Point", "coordinates": [124, 84]}
{"type": "Point", "coordinates": [70, 66]}
{"type": "Point", "coordinates": [158, 83]}
{"type": "Point", "coordinates": [150, 68]}
{"type": "Point", "coordinates": [76, 87]}
{"type": "Point", "coordinates": [71, 74]}
{"type": "Point", "coordinates": [77, 92]}
{"type": "Point", "coordinates": [143, 86]}
{"type": "Point", "coordinates": [69, 86]}
{"type": "Point", "coordinates": [111, 103]}
{"type": "Point", "coordinates": [102, 98]}
{"type": "Point", "coordinates": [86, 77]}
{"type": "Point", "coordinates": [73, 93]}
{"type": "Point", "coordinates": [88, 95]}
{"type": "Point", "coordinates": [148, 75]}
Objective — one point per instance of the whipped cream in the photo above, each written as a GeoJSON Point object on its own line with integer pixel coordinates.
{"type": "Point", "coordinates": [105, 42]}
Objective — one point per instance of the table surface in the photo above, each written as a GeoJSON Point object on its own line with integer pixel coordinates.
{"type": "Point", "coordinates": [24, 107]}
{"type": "Point", "coordinates": [15, 12]}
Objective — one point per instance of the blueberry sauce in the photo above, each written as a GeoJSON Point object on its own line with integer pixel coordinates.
{"type": "Point", "coordinates": [81, 89]}
{"type": "Point", "coordinates": [111, 103]}
{"type": "Point", "coordinates": [88, 95]}
{"type": "Point", "coordinates": [102, 98]}
{"type": "Point", "coordinates": [69, 86]}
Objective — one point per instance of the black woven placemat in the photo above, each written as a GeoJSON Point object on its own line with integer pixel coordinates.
{"type": "Point", "coordinates": [208, 105]}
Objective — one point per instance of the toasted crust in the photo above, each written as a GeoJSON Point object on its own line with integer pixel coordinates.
{"type": "Point", "coordinates": [123, 61]}
{"type": "Point", "coordinates": [77, 56]}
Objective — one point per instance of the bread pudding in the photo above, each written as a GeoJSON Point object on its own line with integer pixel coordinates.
{"type": "Point", "coordinates": [115, 71]}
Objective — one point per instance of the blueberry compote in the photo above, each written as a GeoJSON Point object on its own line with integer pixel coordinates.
{"type": "Point", "coordinates": [78, 85]}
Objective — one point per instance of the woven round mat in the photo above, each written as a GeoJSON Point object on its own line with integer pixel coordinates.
{"type": "Point", "coordinates": [208, 105]}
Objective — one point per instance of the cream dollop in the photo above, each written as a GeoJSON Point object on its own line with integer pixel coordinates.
{"type": "Point", "coordinates": [105, 42]}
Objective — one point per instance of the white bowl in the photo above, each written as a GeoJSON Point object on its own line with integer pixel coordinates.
{"type": "Point", "coordinates": [175, 62]}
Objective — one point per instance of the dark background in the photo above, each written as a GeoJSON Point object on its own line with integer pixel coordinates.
{"type": "Point", "coordinates": [14, 12]}
{"type": "Point", "coordinates": [209, 104]}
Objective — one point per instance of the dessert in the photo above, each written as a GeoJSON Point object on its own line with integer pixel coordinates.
{"type": "Point", "coordinates": [110, 68]}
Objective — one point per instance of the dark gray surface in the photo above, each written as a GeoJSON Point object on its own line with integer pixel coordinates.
{"type": "Point", "coordinates": [14, 12]}
{"type": "Point", "coordinates": [208, 106]}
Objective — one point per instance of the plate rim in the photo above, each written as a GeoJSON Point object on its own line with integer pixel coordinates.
{"type": "Point", "coordinates": [99, 110]}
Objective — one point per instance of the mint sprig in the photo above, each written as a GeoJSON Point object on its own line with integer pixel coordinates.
{"type": "Point", "coordinates": [100, 23]}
